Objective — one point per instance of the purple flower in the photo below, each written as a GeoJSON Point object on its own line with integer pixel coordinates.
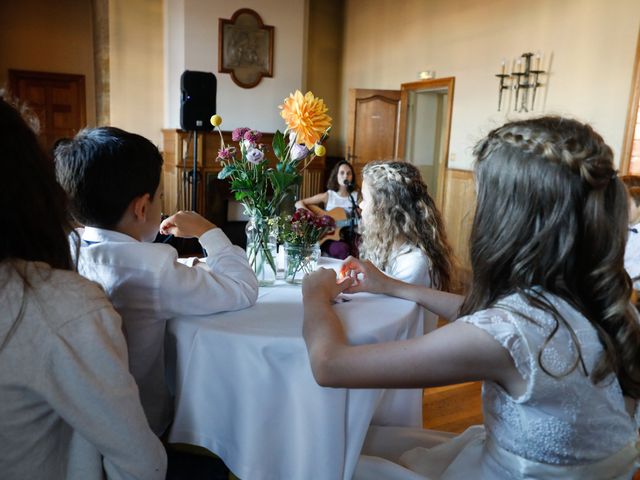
{"type": "Point", "coordinates": [238, 133]}
{"type": "Point", "coordinates": [226, 153]}
{"type": "Point", "coordinates": [254, 155]}
{"type": "Point", "coordinates": [298, 152]}
{"type": "Point", "coordinates": [252, 135]}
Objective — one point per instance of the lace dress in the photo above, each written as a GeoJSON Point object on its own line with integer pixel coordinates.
{"type": "Point", "coordinates": [562, 427]}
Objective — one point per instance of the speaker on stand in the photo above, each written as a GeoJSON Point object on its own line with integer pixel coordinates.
{"type": "Point", "coordinates": [197, 105]}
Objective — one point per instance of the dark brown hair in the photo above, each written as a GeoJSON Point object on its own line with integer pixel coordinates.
{"type": "Point", "coordinates": [332, 183]}
{"type": "Point", "coordinates": [34, 207]}
{"type": "Point", "coordinates": [103, 169]}
{"type": "Point", "coordinates": [551, 212]}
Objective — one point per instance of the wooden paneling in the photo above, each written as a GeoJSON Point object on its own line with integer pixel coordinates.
{"type": "Point", "coordinates": [633, 122]}
{"type": "Point", "coordinates": [458, 211]}
{"type": "Point", "coordinates": [178, 162]}
{"type": "Point", "coordinates": [57, 99]}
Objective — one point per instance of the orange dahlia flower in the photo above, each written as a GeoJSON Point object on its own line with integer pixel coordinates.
{"type": "Point", "coordinates": [307, 116]}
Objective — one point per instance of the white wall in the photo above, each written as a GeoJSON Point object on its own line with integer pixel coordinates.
{"type": "Point", "coordinates": [588, 47]}
{"type": "Point", "coordinates": [136, 66]}
{"type": "Point", "coordinates": [191, 28]}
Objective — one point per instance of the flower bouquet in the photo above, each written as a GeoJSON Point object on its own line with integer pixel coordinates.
{"type": "Point", "coordinates": [262, 188]}
{"type": "Point", "coordinates": [300, 234]}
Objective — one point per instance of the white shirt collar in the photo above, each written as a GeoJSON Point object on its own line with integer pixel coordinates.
{"type": "Point", "coordinates": [99, 235]}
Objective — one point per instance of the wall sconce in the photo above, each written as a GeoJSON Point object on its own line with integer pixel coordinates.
{"type": "Point", "coordinates": [523, 78]}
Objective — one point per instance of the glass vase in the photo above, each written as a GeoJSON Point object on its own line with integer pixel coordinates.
{"type": "Point", "coordinates": [262, 248]}
{"type": "Point", "coordinates": [299, 260]}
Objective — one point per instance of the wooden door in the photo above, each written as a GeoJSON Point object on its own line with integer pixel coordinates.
{"type": "Point", "coordinates": [374, 117]}
{"type": "Point", "coordinates": [57, 99]}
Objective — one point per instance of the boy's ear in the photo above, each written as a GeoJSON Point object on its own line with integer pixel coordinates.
{"type": "Point", "coordinates": [139, 206]}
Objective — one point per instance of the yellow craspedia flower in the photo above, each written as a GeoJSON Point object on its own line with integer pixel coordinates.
{"type": "Point", "coordinates": [307, 116]}
{"type": "Point", "coordinates": [216, 120]}
{"type": "Point", "coordinates": [320, 151]}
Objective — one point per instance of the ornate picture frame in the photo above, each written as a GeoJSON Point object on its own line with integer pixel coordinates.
{"type": "Point", "coordinates": [245, 48]}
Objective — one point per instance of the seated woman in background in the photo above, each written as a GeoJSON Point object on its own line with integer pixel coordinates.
{"type": "Point", "coordinates": [341, 193]}
{"type": "Point", "coordinates": [402, 229]}
{"type": "Point", "coordinates": [632, 250]}
{"type": "Point", "coordinates": [547, 324]}
{"type": "Point", "coordinates": [69, 408]}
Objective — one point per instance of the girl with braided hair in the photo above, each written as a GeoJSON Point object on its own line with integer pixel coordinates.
{"type": "Point", "coordinates": [403, 233]}
{"type": "Point", "coordinates": [402, 230]}
{"type": "Point", "coordinates": [547, 324]}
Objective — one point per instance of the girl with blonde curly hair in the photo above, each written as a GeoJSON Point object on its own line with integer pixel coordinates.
{"type": "Point", "coordinates": [402, 230]}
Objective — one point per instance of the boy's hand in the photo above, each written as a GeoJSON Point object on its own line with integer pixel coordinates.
{"type": "Point", "coordinates": [322, 285]}
{"type": "Point", "coordinates": [364, 275]}
{"type": "Point", "coordinates": [185, 224]}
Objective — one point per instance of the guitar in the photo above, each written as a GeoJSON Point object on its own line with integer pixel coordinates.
{"type": "Point", "coordinates": [339, 215]}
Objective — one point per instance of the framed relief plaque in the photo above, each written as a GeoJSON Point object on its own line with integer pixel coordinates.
{"type": "Point", "coordinates": [245, 48]}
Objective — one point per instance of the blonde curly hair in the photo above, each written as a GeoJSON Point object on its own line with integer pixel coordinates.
{"type": "Point", "coordinates": [405, 213]}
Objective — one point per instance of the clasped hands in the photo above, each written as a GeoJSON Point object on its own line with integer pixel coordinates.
{"type": "Point", "coordinates": [354, 276]}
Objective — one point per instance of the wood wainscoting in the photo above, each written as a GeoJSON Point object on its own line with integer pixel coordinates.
{"type": "Point", "coordinates": [458, 211]}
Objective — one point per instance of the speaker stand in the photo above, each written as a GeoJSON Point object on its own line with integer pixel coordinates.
{"type": "Point", "coordinates": [194, 177]}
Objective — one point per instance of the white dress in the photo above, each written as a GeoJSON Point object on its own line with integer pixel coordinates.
{"type": "Point", "coordinates": [559, 428]}
{"type": "Point", "coordinates": [412, 265]}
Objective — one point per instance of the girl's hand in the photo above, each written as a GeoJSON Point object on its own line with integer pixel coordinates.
{"type": "Point", "coordinates": [364, 275]}
{"type": "Point", "coordinates": [185, 224]}
{"type": "Point", "coordinates": [323, 285]}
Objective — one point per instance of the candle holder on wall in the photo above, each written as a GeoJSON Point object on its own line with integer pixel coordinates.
{"type": "Point", "coordinates": [523, 79]}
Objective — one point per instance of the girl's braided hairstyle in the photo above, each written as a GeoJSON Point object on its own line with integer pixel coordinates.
{"type": "Point", "coordinates": [552, 213]}
{"type": "Point", "coordinates": [405, 213]}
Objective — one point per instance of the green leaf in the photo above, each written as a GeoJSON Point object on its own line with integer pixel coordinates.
{"type": "Point", "coordinates": [226, 171]}
{"type": "Point", "coordinates": [278, 145]}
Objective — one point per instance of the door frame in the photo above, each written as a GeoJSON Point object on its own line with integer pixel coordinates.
{"type": "Point", "coordinates": [447, 83]}
{"type": "Point", "coordinates": [632, 114]}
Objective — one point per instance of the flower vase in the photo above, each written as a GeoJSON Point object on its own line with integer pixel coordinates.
{"type": "Point", "coordinates": [262, 249]}
{"type": "Point", "coordinates": [300, 260]}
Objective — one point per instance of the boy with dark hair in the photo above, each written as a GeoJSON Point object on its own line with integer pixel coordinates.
{"type": "Point", "coordinates": [113, 180]}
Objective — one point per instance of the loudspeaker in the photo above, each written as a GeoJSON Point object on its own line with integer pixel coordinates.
{"type": "Point", "coordinates": [198, 100]}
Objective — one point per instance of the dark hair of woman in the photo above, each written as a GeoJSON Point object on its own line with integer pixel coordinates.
{"type": "Point", "coordinates": [33, 214]}
{"type": "Point", "coordinates": [552, 213]}
{"type": "Point", "coordinates": [332, 183]}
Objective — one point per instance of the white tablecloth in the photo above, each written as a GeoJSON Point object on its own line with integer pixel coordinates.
{"type": "Point", "coordinates": [244, 388]}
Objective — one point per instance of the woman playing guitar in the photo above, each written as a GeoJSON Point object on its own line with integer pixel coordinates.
{"type": "Point", "coordinates": [340, 201]}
